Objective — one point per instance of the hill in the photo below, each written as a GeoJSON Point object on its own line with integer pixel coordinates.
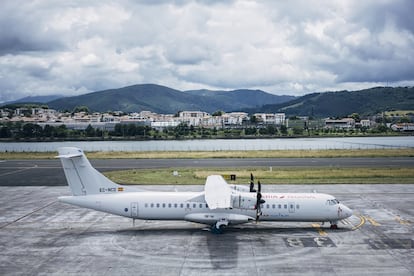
{"type": "Point", "coordinates": [331, 104]}
{"type": "Point", "coordinates": [242, 98]}
{"type": "Point", "coordinates": [34, 99]}
{"type": "Point", "coordinates": [165, 100]}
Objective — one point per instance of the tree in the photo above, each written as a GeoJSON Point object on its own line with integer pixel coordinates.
{"type": "Point", "coordinates": [253, 119]}
{"type": "Point", "coordinates": [283, 129]}
{"type": "Point", "coordinates": [356, 117]}
{"type": "Point", "coordinates": [271, 129]}
{"type": "Point", "coordinates": [297, 131]}
{"type": "Point", "coordinates": [405, 119]}
{"type": "Point", "coordinates": [61, 131]}
{"type": "Point", "coordinates": [5, 132]}
{"type": "Point", "coordinates": [182, 130]}
{"type": "Point", "coordinates": [250, 131]}
{"type": "Point", "coordinates": [218, 113]}
{"type": "Point", "coordinates": [32, 130]}
{"type": "Point", "coordinates": [48, 131]}
{"type": "Point", "coordinates": [263, 131]}
{"type": "Point", "coordinates": [90, 131]}
{"type": "Point", "coordinates": [82, 108]}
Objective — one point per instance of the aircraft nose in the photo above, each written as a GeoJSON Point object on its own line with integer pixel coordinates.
{"type": "Point", "coordinates": [346, 212]}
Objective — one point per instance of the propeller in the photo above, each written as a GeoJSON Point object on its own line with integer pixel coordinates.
{"type": "Point", "coordinates": [252, 190]}
{"type": "Point", "coordinates": [259, 200]}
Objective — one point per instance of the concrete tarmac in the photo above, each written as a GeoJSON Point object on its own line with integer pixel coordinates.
{"type": "Point", "coordinates": [39, 235]}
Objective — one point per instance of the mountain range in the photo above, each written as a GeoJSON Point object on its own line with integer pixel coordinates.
{"type": "Point", "coordinates": [339, 104]}
{"type": "Point", "coordinates": [165, 100]}
{"type": "Point", "coordinates": [34, 99]}
{"type": "Point", "coordinates": [161, 99]}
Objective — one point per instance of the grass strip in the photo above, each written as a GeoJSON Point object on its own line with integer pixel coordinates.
{"type": "Point", "coordinates": [276, 176]}
{"type": "Point", "coordinates": [406, 152]}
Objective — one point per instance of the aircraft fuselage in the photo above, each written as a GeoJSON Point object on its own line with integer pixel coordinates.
{"type": "Point", "coordinates": [191, 206]}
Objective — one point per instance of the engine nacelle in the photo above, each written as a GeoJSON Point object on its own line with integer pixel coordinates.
{"type": "Point", "coordinates": [210, 218]}
{"type": "Point", "coordinates": [244, 201]}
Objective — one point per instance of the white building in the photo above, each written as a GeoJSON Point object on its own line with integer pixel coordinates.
{"type": "Point", "coordinates": [365, 123]}
{"type": "Point", "coordinates": [271, 118]}
{"type": "Point", "coordinates": [192, 118]}
{"type": "Point", "coordinates": [403, 127]}
{"type": "Point", "coordinates": [345, 123]}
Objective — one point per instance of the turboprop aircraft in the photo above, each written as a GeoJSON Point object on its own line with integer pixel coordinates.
{"type": "Point", "coordinates": [219, 205]}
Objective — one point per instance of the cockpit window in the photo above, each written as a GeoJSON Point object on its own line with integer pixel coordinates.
{"type": "Point", "coordinates": [332, 201]}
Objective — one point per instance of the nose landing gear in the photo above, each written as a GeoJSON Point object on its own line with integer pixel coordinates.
{"type": "Point", "coordinates": [334, 225]}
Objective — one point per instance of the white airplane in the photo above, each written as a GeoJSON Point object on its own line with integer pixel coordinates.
{"type": "Point", "coordinates": [219, 205]}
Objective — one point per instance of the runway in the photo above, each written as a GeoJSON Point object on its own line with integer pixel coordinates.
{"type": "Point", "coordinates": [39, 235]}
{"type": "Point", "coordinates": [50, 172]}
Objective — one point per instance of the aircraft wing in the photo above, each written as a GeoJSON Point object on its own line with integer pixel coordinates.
{"type": "Point", "coordinates": [217, 192]}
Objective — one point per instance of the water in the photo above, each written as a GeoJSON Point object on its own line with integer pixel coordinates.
{"type": "Point", "coordinates": [220, 144]}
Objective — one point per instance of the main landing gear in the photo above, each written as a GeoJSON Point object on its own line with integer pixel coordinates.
{"type": "Point", "coordinates": [218, 227]}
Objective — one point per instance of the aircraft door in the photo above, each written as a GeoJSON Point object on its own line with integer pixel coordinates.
{"type": "Point", "coordinates": [134, 209]}
{"type": "Point", "coordinates": [291, 207]}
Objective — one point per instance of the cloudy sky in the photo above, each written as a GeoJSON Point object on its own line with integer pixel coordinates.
{"type": "Point", "coordinates": [283, 47]}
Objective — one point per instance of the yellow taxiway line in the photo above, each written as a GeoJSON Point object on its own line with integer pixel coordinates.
{"type": "Point", "coordinates": [361, 222]}
{"type": "Point", "coordinates": [319, 229]}
{"type": "Point", "coordinates": [372, 221]}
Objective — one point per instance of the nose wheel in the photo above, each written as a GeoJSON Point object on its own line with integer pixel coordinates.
{"type": "Point", "coordinates": [334, 225]}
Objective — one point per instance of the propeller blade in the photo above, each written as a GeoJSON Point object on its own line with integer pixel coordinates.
{"type": "Point", "coordinates": [258, 211]}
{"type": "Point", "coordinates": [259, 201]}
{"type": "Point", "coordinates": [252, 190]}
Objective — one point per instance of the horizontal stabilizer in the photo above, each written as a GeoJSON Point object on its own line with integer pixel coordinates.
{"type": "Point", "coordinates": [70, 155]}
{"type": "Point", "coordinates": [82, 178]}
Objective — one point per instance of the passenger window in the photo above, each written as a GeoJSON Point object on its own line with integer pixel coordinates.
{"type": "Point", "coordinates": [152, 205]}
{"type": "Point", "coordinates": [267, 206]}
{"type": "Point", "coordinates": [169, 205]}
{"type": "Point", "coordinates": [188, 205]}
{"type": "Point", "coordinates": [181, 205]}
{"type": "Point", "coordinates": [201, 205]}
{"type": "Point", "coordinates": [280, 206]}
{"type": "Point", "coordinates": [146, 205]}
{"type": "Point", "coordinates": [175, 205]}
{"type": "Point", "coordinates": [206, 205]}
{"type": "Point", "coordinates": [285, 206]}
{"type": "Point", "coordinates": [163, 205]}
{"type": "Point", "coordinates": [194, 205]}
{"type": "Point", "coordinates": [273, 206]}
{"type": "Point", "coordinates": [158, 205]}
{"type": "Point", "coordinates": [297, 206]}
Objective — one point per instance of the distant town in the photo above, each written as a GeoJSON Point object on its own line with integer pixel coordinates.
{"type": "Point", "coordinates": [42, 122]}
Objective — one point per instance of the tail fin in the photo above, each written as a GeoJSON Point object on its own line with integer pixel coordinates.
{"type": "Point", "coordinates": [82, 178]}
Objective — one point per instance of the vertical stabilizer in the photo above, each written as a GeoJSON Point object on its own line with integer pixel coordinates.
{"type": "Point", "coordinates": [82, 178]}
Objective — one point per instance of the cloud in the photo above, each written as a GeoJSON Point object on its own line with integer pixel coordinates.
{"type": "Point", "coordinates": [291, 47]}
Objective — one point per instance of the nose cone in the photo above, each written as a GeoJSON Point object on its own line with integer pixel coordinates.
{"type": "Point", "coordinates": [346, 212]}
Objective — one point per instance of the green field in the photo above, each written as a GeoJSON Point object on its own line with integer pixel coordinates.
{"type": "Point", "coordinates": [320, 175]}
{"type": "Point", "coordinates": [399, 112]}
